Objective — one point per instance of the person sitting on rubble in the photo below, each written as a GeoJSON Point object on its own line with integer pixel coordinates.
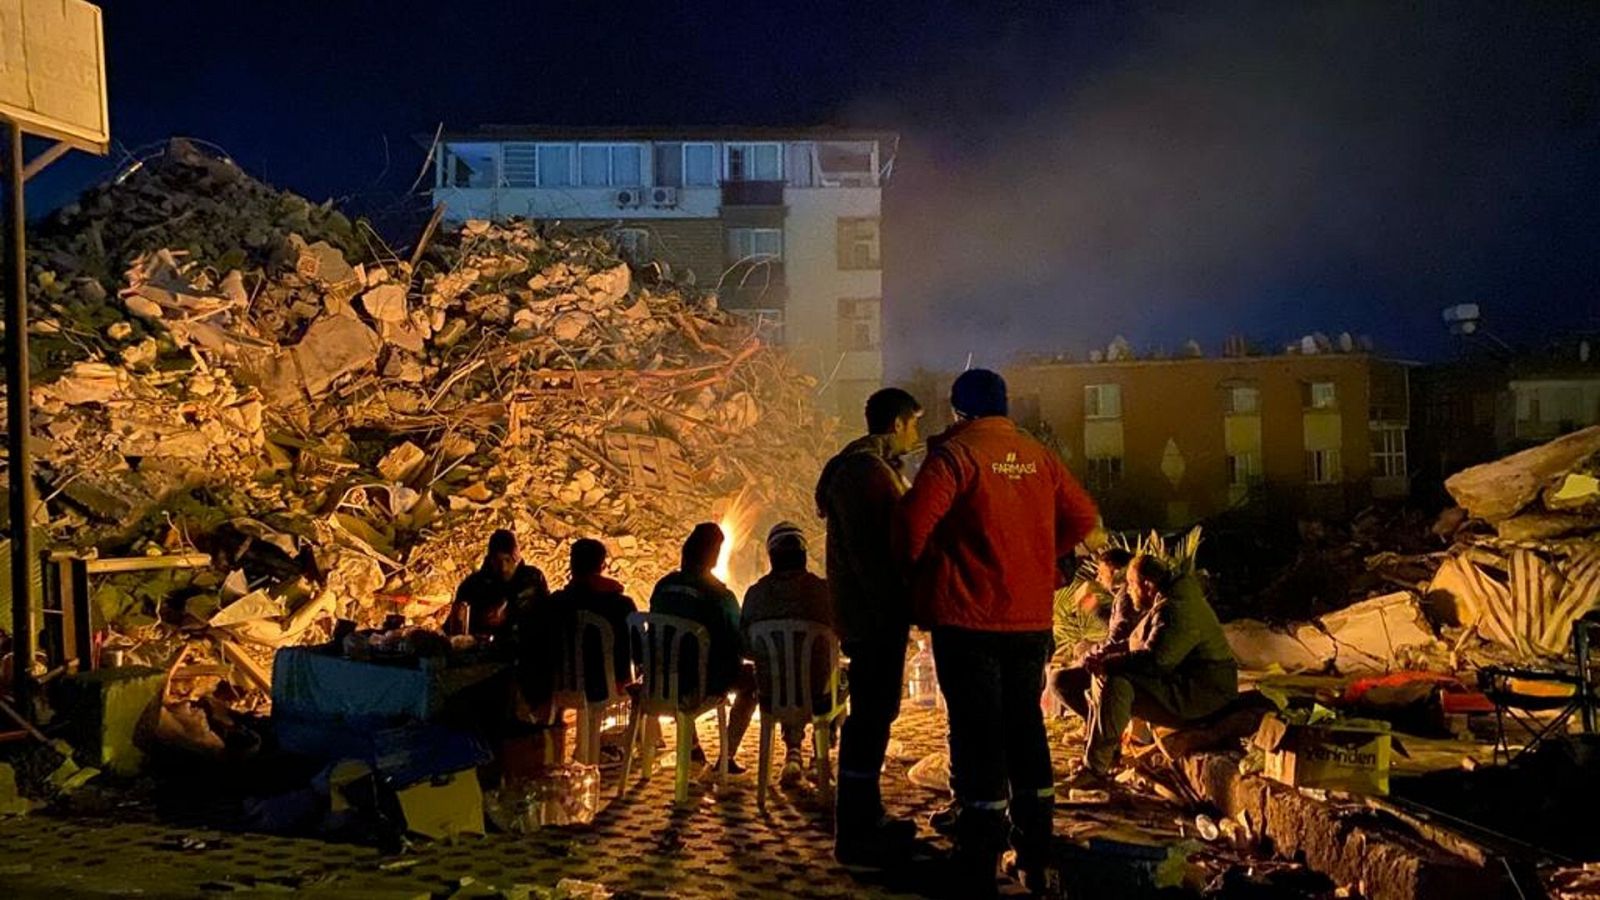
{"type": "Point", "coordinates": [500, 595]}
{"type": "Point", "coordinates": [592, 592]}
{"type": "Point", "coordinates": [1103, 604]}
{"type": "Point", "coordinates": [1177, 668]}
{"type": "Point", "coordinates": [790, 591]}
{"type": "Point", "coordinates": [694, 592]}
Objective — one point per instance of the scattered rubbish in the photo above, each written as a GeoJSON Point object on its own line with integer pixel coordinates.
{"type": "Point", "coordinates": [563, 795]}
{"type": "Point", "coordinates": [1326, 753]}
{"type": "Point", "coordinates": [443, 807]}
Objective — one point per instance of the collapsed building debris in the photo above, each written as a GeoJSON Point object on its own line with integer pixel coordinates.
{"type": "Point", "coordinates": [341, 431]}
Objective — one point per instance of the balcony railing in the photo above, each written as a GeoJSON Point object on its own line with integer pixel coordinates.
{"type": "Point", "coordinates": [752, 193]}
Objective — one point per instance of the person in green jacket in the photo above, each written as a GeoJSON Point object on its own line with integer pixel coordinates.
{"type": "Point", "coordinates": [1177, 667]}
{"type": "Point", "coordinates": [694, 593]}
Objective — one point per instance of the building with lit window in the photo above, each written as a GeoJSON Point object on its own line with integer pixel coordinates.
{"type": "Point", "coordinates": [1166, 442]}
{"type": "Point", "coordinates": [783, 224]}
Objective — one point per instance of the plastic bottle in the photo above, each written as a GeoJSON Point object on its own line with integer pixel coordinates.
{"type": "Point", "coordinates": [921, 686]}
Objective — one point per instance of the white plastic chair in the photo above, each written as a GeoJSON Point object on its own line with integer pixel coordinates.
{"type": "Point", "coordinates": [569, 684]}
{"type": "Point", "coordinates": [785, 651]}
{"type": "Point", "coordinates": [661, 640]}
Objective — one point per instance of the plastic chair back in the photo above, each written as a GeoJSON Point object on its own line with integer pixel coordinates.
{"type": "Point", "coordinates": [662, 640]}
{"type": "Point", "coordinates": [786, 651]}
{"type": "Point", "coordinates": [570, 681]}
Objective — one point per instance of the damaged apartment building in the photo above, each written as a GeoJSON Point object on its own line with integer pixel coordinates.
{"type": "Point", "coordinates": [784, 224]}
{"type": "Point", "coordinates": [1167, 442]}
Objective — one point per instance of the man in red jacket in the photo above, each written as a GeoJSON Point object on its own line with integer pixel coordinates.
{"type": "Point", "coordinates": [991, 512]}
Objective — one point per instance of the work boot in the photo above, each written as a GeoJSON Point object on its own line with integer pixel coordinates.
{"type": "Point", "coordinates": [980, 838]}
{"type": "Point", "coordinates": [863, 834]}
{"type": "Point", "coordinates": [1032, 823]}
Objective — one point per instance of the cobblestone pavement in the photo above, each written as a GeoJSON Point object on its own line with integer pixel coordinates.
{"type": "Point", "coordinates": [716, 847]}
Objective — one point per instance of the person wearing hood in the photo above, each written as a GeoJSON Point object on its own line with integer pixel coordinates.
{"type": "Point", "coordinates": [983, 530]}
{"type": "Point", "coordinates": [856, 497]}
{"type": "Point", "coordinates": [591, 591]}
{"type": "Point", "coordinates": [694, 592]}
{"type": "Point", "coordinates": [790, 591]}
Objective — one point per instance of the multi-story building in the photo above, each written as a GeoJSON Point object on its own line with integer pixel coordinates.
{"type": "Point", "coordinates": [783, 223]}
{"type": "Point", "coordinates": [1480, 407]}
{"type": "Point", "coordinates": [1165, 442]}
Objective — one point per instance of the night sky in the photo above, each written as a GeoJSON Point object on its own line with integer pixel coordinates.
{"type": "Point", "coordinates": [1067, 172]}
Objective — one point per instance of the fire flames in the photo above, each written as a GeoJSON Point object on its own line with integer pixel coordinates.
{"type": "Point", "coordinates": [737, 522]}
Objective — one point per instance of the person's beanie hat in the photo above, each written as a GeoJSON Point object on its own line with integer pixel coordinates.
{"type": "Point", "coordinates": [978, 393]}
{"type": "Point", "coordinates": [785, 531]}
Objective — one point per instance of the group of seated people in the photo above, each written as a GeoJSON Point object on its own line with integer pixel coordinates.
{"type": "Point", "coordinates": [507, 602]}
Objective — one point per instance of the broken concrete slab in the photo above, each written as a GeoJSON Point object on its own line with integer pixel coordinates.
{"type": "Point", "coordinates": [1369, 636]}
{"type": "Point", "coordinates": [1500, 489]}
{"type": "Point", "coordinates": [1259, 646]}
{"type": "Point", "coordinates": [401, 463]}
{"type": "Point", "coordinates": [386, 303]}
{"type": "Point", "coordinates": [332, 348]}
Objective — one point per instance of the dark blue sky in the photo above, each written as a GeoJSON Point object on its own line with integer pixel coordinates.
{"type": "Point", "coordinates": [1068, 171]}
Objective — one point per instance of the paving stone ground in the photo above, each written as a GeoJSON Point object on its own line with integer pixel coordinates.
{"type": "Point", "coordinates": [718, 846]}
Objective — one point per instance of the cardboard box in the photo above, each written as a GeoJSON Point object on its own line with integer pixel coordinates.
{"type": "Point", "coordinates": [1351, 755]}
{"type": "Point", "coordinates": [445, 806]}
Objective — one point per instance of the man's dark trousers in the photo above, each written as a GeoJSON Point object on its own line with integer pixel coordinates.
{"type": "Point", "coordinates": [877, 673]}
{"type": "Point", "coordinates": [999, 754]}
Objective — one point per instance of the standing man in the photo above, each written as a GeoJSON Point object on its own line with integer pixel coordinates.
{"type": "Point", "coordinates": [991, 514]}
{"type": "Point", "coordinates": [857, 495]}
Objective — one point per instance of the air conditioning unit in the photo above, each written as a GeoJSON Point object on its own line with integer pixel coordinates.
{"type": "Point", "coordinates": [663, 197]}
{"type": "Point", "coordinates": [627, 199]}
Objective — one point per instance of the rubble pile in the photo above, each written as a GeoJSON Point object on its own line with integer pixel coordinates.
{"type": "Point", "coordinates": [1518, 564]}
{"type": "Point", "coordinates": [340, 435]}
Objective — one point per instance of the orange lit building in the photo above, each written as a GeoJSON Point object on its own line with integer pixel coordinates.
{"type": "Point", "coordinates": [1166, 442]}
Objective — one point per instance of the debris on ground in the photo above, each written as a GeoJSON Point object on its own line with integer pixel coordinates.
{"type": "Point", "coordinates": [226, 368]}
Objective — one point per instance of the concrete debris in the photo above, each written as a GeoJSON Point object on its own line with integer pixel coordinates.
{"type": "Point", "coordinates": [223, 348]}
{"type": "Point", "coordinates": [1499, 490]}
{"type": "Point", "coordinates": [1369, 636]}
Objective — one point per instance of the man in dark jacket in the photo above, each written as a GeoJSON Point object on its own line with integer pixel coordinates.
{"type": "Point", "coordinates": [500, 594]}
{"type": "Point", "coordinates": [856, 495]}
{"type": "Point", "coordinates": [991, 515]}
{"type": "Point", "coordinates": [591, 591]}
{"type": "Point", "coordinates": [1071, 680]}
{"type": "Point", "coordinates": [694, 592]}
{"type": "Point", "coordinates": [1177, 667]}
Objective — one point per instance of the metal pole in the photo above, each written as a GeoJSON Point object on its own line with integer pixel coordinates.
{"type": "Point", "coordinates": [20, 464]}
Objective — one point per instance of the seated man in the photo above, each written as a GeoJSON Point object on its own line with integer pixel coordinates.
{"type": "Point", "coordinates": [591, 591]}
{"type": "Point", "coordinates": [1177, 667]}
{"type": "Point", "coordinates": [1078, 634]}
{"type": "Point", "coordinates": [500, 595]}
{"type": "Point", "coordinates": [790, 592]}
{"type": "Point", "coordinates": [694, 592]}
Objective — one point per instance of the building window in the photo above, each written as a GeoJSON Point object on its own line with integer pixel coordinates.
{"type": "Point", "coordinates": [1102, 473]}
{"type": "Point", "coordinates": [633, 244]}
{"type": "Point", "coordinates": [1241, 400]}
{"type": "Point", "coordinates": [1320, 395]}
{"type": "Point", "coordinates": [555, 165]}
{"type": "Point", "coordinates": [755, 244]}
{"type": "Point", "coordinates": [468, 166]}
{"type": "Point", "coordinates": [860, 323]}
{"type": "Point", "coordinates": [1102, 401]}
{"type": "Point", "coordinates": [845, 164]}
{"type": "Point", "coordinates": [519, 165]}
{"type": "Point", "coordinates": [1322, 467]}
{"type": "Point", "coordinates": [858, 244]}
{"type": "Point", "coordinates": [699, 165]}
{"type": "Point", "coordinates": [1244, 470]}
{"type": "Point", "coordinates": [610, 165]}
{"type": "Point", "coordinates": [1388, 451]}
{"type": "Point", "coordinates": [755, 162]}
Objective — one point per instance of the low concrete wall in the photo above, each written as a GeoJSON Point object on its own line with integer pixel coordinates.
{"type": "Point", "coordinates": [1345, 840]}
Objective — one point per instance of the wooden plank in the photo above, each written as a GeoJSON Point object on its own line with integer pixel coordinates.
{"type": "Point", "coordinates": [145, 563]}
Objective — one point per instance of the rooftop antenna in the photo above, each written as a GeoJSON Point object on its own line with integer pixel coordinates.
{"type": "Point", "coordinates": [968, 366]}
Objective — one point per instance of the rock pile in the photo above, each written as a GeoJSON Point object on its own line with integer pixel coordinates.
{"type": "Point", "coordinates": [340, 432]}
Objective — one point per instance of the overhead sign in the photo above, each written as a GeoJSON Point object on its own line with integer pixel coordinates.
{"type": "Point", "coordinates": [53, 71]}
